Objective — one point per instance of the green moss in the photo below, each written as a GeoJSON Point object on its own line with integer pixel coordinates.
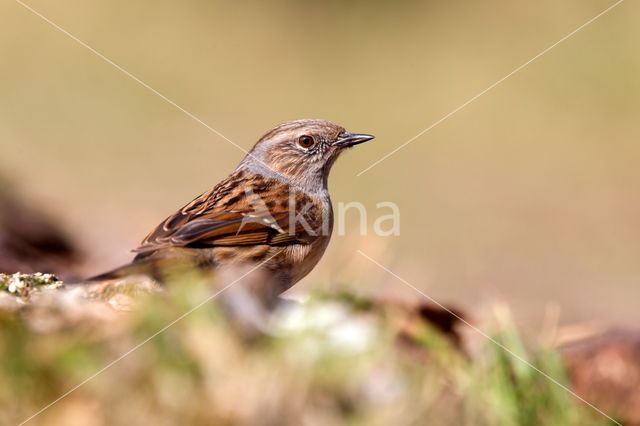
{"type": "Point", "coordinates": [24, 284]}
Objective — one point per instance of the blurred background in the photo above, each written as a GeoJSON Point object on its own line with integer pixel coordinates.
{"type": "Point", "coordinates": [529, 194]}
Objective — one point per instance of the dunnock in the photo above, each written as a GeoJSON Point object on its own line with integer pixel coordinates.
{"type": "Point", "coordinates": [273, 210]}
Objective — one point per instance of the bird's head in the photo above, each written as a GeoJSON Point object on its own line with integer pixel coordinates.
{"type": "Point", "coordinates": [301, 151]}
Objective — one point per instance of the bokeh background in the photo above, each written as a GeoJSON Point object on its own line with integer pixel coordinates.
{"type": "Point", "coordinates": [529, 194]}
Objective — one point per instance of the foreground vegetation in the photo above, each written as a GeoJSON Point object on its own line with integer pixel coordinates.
{"type": "Point", "coordinates": [328, 360]}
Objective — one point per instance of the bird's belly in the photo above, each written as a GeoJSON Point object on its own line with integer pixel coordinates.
{"type": "Point", "coordinates": [300, 259]}
{"type": "Point", "coordinates": [289, 264]}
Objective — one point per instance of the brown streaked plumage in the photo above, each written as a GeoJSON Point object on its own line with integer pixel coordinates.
{"type": "Point", "coordinates": [274, 210]}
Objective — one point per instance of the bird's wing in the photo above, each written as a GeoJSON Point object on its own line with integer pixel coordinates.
{"type": "Point", "coordinates": [240, 211]}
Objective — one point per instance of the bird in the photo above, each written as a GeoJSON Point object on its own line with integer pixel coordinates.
{"type": "Point", "coordinates": [272, 213]}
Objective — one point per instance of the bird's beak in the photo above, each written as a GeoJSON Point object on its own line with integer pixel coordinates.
{"type": "Point", "coordinates": [346, 139]}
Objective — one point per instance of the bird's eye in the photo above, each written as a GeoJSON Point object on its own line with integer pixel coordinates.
{"type": "Point", "coordinates": [306, 141]}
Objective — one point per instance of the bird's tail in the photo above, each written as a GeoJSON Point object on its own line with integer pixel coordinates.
{"type": "Point", "coordinates": [157, 266]}
{"type": "Point", "coordinates": [148, 267]}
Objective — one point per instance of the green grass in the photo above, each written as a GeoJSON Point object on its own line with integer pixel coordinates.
{"type": "Point", "coordinates": [332, 360]}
